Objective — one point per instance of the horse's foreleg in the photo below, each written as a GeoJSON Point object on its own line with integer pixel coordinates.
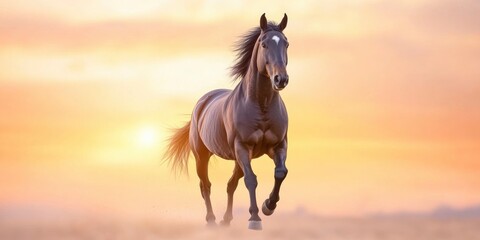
{"type": "Point", "coordinates": [231, 187]}
{"type": "Point", "coordinates": [279, 157]}
{"type": "Point", "coordinates": [242, 154]}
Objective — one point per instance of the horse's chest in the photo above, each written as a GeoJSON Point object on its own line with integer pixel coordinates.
{"type": "Point", "coordinates": [265, 133]}
{"type": "Point", "coordinates": [263, 137]}
{"type": "Point", "coordinates": [261, 131]}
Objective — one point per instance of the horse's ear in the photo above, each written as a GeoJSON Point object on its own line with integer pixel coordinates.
{"type": "Point", "coordinates": [263, 22]}
{"type": "Point", "coordinates": [283, 23]}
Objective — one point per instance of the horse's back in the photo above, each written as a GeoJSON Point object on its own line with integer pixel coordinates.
{"type": "Point", "coordinates": [207, 122]}
{"type": "Point", "coordinates": [213, 97]}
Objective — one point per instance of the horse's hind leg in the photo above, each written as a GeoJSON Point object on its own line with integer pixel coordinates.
{"type": "Point", "coordinates": [202, 158]}
{"type": "Point", "coordinates": [231, 187]}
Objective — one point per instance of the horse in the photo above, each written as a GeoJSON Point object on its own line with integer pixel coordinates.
{"type": "Point", "coordinates": [241, 124]}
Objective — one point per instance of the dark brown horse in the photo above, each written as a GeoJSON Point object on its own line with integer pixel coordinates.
{"type": "Point", "coordinates": [242, 124]}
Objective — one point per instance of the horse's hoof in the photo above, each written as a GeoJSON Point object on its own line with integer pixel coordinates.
{"type": "Point", "coordinates": [211, 224]}
{"type": "Point", "coordinates": [224, 223]}
{"type": "Point", "coordinates": [254, 225]}
{"type": "Point", "coordinates": [267, 211]}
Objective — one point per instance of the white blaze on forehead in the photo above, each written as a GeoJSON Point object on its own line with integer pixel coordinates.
{"type": "Point", "coordinates": [276, 39]}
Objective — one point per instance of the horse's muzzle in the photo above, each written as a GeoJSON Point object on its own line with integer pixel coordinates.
{"type": "Point", "coordinates": [280, 81]}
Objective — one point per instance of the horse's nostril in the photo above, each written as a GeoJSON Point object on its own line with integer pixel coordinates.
{"type": "Point", "coordinates": [276, 79]}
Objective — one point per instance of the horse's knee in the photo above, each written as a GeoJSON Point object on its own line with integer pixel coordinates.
{"type": "Point", "coordinates": [251, 181]}
{"type": "Point", "coordinates": [281, 173]}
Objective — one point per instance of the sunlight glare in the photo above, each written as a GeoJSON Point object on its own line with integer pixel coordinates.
{"type": "Point", "coordinates": [147, 137]}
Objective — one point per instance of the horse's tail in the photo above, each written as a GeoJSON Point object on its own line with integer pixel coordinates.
{"type": "Point", "coordinates": [178, 149]}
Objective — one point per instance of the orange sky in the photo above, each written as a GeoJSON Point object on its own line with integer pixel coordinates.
{"type": "Point", "coordinates": [383, 101]}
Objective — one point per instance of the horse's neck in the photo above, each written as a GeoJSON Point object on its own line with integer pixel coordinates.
{"type": "Point", "coordinates": [258, 87]}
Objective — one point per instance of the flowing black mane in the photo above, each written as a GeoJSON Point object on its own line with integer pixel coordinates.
{"type": "Point", "coordinates": [244, 48]}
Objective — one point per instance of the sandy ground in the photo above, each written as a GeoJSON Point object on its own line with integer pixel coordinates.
{"type": "Point", "coordinates": [274, 227]}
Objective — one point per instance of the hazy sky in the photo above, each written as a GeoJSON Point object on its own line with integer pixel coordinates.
{"type": "Point", "coordinates": [384, 102]}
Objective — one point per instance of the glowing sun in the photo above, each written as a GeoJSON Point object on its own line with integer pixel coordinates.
{"type": "Point", "coordinates": [147, 136]}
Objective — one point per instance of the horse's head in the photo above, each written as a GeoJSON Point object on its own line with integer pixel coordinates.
{"type": "Point", "coordinates": [272, 53]}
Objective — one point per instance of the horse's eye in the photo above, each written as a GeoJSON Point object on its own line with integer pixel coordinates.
{"type": "Point", "coordinates": [263, 45]}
